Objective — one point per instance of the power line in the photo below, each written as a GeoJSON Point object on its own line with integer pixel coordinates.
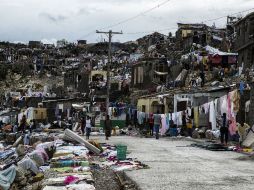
{"type": "Point", "coordinates": [136, 16]}
{"type": "Point", "coordinates": [173, 28]}
{"type": "Point", "coordinates": [144, 32]}
{"type": "Point", "coordinates": [228, 15]}
{"type": "Point", "coordinates": [130, 18]}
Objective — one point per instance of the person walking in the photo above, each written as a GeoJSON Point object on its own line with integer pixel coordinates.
{"type": "Point", "coordinates": [151, 124]}
{"type": "Point", "coordinates": [88, 127]}
{"type": "Point", "coordinates": [224, 130]}
{"type": "Point", "coordinates": [83, 125]}
{"type": "Point", "coordinates": [157, 124]}
{"type": "Point", "coordinates": [69, 123]}
{"type": "Point", "coordinates": [108, 127]}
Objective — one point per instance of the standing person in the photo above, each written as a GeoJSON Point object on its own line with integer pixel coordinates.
{"type": "Point", "coordinates": [83, 125]}
{"type": "Point", "coordinates": [31, 127]}
{"type": "Point", "coordinates": [202, 76]}
{"type": "Point", "coordinates": [189, 128]}
{"type": "Point", "coordinates": [69, 123]}
{"type": "Point", "coordinates": [108, 127]}
{"type": "Point", "coordinates": [151, 124]}
{"type": "Point", "coordinates": [224, 130]}
{"type": "Point", "coordinates": [157, 124]}
{"type": "Point", "coordinates": [184, 125]}
{"type": "Point", "coordinates": [23, 124]}
{"type": "Point", "coordinates": [88, 127]}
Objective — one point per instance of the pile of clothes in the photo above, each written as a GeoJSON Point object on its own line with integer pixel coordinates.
{"type": "Point", "coordinates": [109, 160]}
{"type": "Point", "coordinates": [49, 165]}
{"type": "Point", "coordinates": [20, 166]}
{"type": "Point", "coordinates": [69, 169]}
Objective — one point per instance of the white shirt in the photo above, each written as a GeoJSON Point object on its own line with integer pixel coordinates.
{"type": "Point", "coordinates": [88, 123]}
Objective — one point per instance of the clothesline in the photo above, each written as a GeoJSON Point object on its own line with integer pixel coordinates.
{"type": "Point", "coordinates": [228, 104]}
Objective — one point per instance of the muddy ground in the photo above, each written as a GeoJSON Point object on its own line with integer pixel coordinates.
{"type": "Point", "coordinates": [110, 180]}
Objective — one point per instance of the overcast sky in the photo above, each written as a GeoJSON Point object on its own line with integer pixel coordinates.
{"type": "Point", "coordinates": [24, 20]}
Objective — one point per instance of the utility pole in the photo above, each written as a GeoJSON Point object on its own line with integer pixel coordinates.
{"type": "Point", "coordinates": [110, 33]}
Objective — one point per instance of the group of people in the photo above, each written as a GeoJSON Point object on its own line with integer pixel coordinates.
{"type": "Point", "coordinates": [154, 124]}
{"type": "Point", "coordinates": [86, 126]}
{"type": "Point", "coordinates": [198, 80]}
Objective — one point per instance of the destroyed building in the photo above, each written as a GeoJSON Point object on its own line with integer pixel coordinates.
{"type": "Point", "coordinates": [35, 44]}
{"type": "Point", "coordinates": [189, 34]}
{"type": "Point", "coordinates": [244, 42]}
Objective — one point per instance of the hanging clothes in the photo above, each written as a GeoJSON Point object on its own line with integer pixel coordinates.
{"type": "Point", "coordinates": [233, 126]}
{"type": "Point", "coordinates": [163, 124]}
{"type": "Point", "coordinates": [179, 119]}
{"type": "Point", "coordinates": [110, 112]}
{"type": "Point", "coordinates": [206, 108]}
{"type": "Point", "coordinates": [212, 115]}
{"type": "Point", "coordinates": [216, 108]}
{"type": "Point", "coordinates": [189, 111]}
{"type": "Point", "coordinates": [229, 111]}
{"type": "Point", "coordinates": [241, 87]}
{"type": "Point", "coordinates": [196, 118]}
{"type": "Point", "coordinates": [223, 104]}
{"type": "Point", "coordinates": [235, 97]}
{"type": "Point", "coordinates": [247, 106]}
{"type": "Point", "coordinates": [141, 117]}
{"type": "Point", "coordinates": [168, 118]}
{"type": "Point", "coordinates": [174, 117]}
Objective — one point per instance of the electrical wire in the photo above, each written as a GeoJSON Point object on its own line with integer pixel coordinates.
{"type": "Point", "coordinates": [244, 11]}
{"type": "Point", "coordinates": [136, 16]}
{"type": "Point", "coordinates": [130, 18]}
{"type": "Point", "coordinates": [174, 28]}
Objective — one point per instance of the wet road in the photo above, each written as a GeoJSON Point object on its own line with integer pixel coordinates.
{"type": "Point", "coordinates": [176, 166]}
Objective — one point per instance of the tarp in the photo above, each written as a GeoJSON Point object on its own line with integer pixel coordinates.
{"type": "Point", "coordinates": [161, 73]}
{"type": "Point", "coordinates": [7, 177]}
{"type": "Point", "coordinates": [74, 136]}
{"type": "Point", "coordinates": [214, 51]}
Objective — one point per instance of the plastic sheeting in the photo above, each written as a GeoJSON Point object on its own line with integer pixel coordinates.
{"type": "Point", "coordinates": [7, 177]}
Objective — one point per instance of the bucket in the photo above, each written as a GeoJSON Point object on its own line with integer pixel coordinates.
{"type": "Point", "coordinates": [121, 152]}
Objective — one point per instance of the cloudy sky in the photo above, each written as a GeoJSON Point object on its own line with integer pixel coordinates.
{"type": "Point", "coordinates": [24, 20]}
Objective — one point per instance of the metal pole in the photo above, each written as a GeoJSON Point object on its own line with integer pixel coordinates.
{"type": "Point", "coordinates": [108, 70]}
{"type": "Point", "coordinates": [110, 33]}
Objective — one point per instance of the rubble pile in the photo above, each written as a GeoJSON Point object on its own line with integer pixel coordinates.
{"type": "Point", "coordinates": [49, 162]}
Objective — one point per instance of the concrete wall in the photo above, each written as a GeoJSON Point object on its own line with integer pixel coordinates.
{"type": "Point", "coordinates": [244, 42]}
{"type": "Point", "coordinates": [151, 105]}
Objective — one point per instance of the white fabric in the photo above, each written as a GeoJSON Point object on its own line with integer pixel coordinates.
{"type": "Point", "coordinates": [28, 164]}
{"type": "Point", "coordinates": [164, 124]}
{"type": "Point", "coordinates": [174, 117]}
{"type": "Point", "coordinates": [88, 123]}
{"type": "Point", "coordinates": [212, 115]}
{"type": "Point", "coordinates": [179, 119]}
{"type": "Point", "coordinates": [189, 111]}
{"type": "Point", "coordinates": [80, 187]}
{"type": "Point", "coordinates": [223, 104]}
{"type": "Point", "coordinates": [247, 106]}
